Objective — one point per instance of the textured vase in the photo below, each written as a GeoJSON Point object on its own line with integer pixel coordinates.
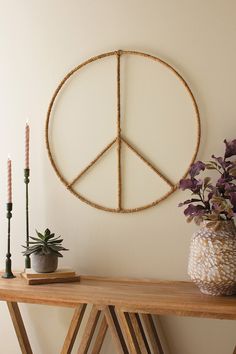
{"type": "Point", "coordinates": [212, 259]}
{"type": "Point", "coordinates": [45, 263]}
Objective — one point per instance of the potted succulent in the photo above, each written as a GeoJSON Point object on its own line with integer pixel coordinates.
{"type": "Point", "coordinates": [212, 259]}
{"type": "Point", "coordinates": [45, 250]}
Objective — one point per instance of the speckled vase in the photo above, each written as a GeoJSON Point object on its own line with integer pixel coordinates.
{"type": "Point", "coordinates": [212, 259]}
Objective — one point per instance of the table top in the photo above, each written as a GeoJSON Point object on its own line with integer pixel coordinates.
{"type": "Point", "coordinates": [181, 298]}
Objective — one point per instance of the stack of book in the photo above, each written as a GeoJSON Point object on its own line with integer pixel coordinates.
{"type": "Point", "coordinates": [61, 275]}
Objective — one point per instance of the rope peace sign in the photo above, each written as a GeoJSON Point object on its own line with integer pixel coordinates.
{"type": "Point", "coordinates": [119, 140]}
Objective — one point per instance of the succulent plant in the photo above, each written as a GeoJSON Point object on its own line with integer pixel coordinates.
{"type": "Point", "coordinates": [45, 244]}
{"type": "Point", "coordinates": [212, 200]}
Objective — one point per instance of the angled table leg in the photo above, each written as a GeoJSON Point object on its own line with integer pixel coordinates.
{"type": "Point", "coordinates": [115, 329]}
{"type": "Point", "coordinates": [89, 330]}
{"type": "Point", "coordinates": [152, 334]}
{"type": "Point", "coordinates": [73, 329]}
{"type": "Point", "coordinates": [139, 333]}
{"type": "Point", "coordinates": [128, 332]}
{"type": "Point", "coordinates": [19, 328]}
{"type": "Point", "coordinates": [100, 336]}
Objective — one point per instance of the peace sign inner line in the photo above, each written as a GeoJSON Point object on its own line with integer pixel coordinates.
{"type": "Point", "coordinates": [131, 147]}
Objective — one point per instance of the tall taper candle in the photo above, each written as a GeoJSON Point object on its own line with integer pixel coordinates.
{"type": "Point", "coordinates": [27, 136]}
{"type": "Point", "coordinates": [9, 181]}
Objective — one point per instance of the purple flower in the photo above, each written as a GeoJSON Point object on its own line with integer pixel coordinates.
{"type": "Point", "coordinates": [209, 197]}
{"type": "Point", "coordinates": [222, 184]}
{"type": "Point", "coordinates": [189, 201]}
{"type": "Point", "coordinates": [196, 168]}
{"type": "Point", "coordinates": [213, 201]}
{"type": "Point", "coordinates": [230, 187]}
{"type": "Point", "coordinates": [194, 210]}
{"type": "Point", "coordinates": [230, 148]}
{"type": "Point", "coordinates": [185, 184]}
{"type": "Point", "coordinates": [232, 198]}
{"type": "Point", "coordinates": [224, 164]}
{"type": "Point", "coordinates": [193, 184]}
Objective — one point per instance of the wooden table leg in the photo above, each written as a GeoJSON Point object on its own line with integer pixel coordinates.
{"type": "Point", "coordinates": [128, 332]}
{"type": "Point", "coordinates": [19, 328]}
{"type": "Point", "coordinates": [89, 331]}
{"type": "Point", "coordinates": [100, 336]}
{"type": "Point", "coordinates": [116, 332]}
{"type": "Point", "coordinates": [73, 329]}
{"type": "Point", "coordinates": [139, 333]}
{"type": "Point", "coordinates": [152, 334]}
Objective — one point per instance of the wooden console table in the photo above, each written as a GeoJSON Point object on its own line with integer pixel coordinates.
{"type": "Point", "coordinates": [125, 306]}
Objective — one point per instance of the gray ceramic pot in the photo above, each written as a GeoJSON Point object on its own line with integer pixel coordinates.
{"type": "Point", "coordinates": [46, 263]}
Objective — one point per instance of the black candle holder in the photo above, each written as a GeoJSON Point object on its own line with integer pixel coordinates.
{"type": "Point", "coordinates": [27, 180]}
{"type": "Point", "coordinates": [8, 272]}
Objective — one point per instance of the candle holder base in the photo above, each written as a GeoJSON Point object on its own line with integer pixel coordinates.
{"type": "Point", "coordinates": [8, 275]}
{"type": "Point", "coordinates": [27, 262]}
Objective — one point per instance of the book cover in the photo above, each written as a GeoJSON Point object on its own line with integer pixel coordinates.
{"type": "Point", "coordinates": [29, 273]}
{"type": "Point", "coordinates": [38, 281]}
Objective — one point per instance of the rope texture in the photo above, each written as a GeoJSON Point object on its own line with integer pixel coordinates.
{"type": "Point", "coordinates": [119, 138]}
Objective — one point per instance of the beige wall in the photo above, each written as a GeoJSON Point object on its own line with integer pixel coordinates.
{"type": "Point", "coordinates": [40, 41]}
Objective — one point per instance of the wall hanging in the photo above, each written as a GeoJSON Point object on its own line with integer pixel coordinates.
{"type": "Point", "coordinates": [122, 102]}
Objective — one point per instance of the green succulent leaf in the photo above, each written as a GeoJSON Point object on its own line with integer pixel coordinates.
{"type": "Point", "coordinates": [45, 244]}
{"type": "Point", "coordinates": [55, 241]}
{"type": "Point", "coordinates": [39, 235]}
{"type": "Point", "coordinates": [47, 232]}
{"type": "Point", "coordinates": [48, 237]}
{"type": "Point", "coordinates": [58, 254]}
{"type": "Point", "coordinates": [36, 239]}
{"type": "Point", "coordinates": [58, 248]}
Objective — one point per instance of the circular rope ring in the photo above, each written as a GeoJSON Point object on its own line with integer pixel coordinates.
{"type": "Point", "coordinates": [119, 139]}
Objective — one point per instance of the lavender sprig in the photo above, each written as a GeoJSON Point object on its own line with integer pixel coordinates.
{"type": "Point", "coordinates": [212, 201]}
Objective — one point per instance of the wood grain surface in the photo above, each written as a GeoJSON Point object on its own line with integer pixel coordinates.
{"type": "Point", "coordinates": [130, 295]}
